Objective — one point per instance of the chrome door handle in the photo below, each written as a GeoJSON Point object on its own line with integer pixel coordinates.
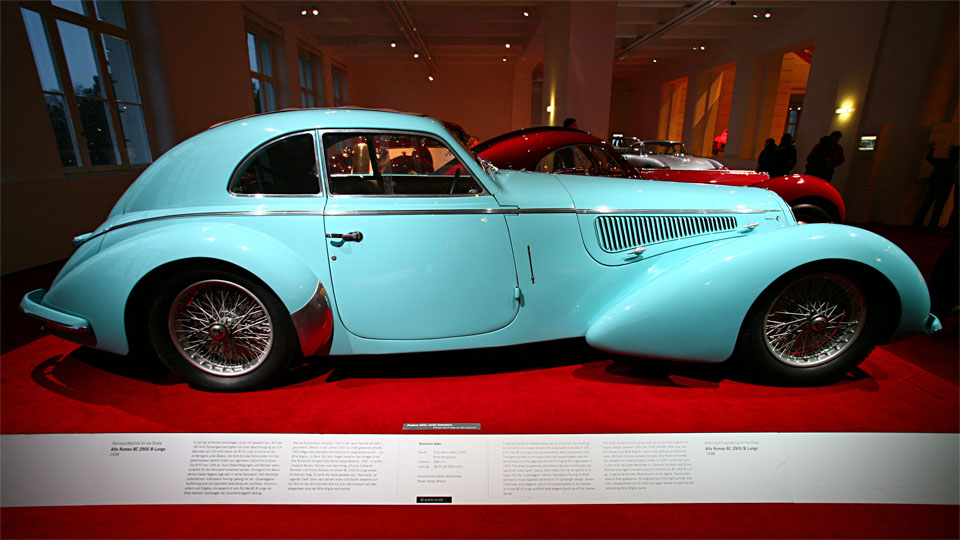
{"type": "Point", "coordinates": [355, 236]}
{"type": "Point", "coordinates": [753, 225]}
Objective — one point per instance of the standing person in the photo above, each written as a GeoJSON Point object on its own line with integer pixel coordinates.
{"type": "Point", "coordinates": [570, 123]}
{"type": "Point", "coordinates": [766, 161]}
{"type": "Point", "coordinates": [785, 158]}
{"type": "Point", "coordinates": [822, 159]}
{"type": "Point", "coordinates": [818, 159]}
{"type": "Point", "coordinates": [837, 152]}
{"type": "Point", "coordinates": [941, 181]}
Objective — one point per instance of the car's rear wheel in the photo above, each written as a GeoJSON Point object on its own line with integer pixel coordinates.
{"type": "Point", "coordinates": [809, 328]}
{"type": "Point", "coordinates": [220, 331]}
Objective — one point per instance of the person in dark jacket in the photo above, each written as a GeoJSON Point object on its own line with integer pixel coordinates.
{"type": "Point", "coordinates": [785, 158]}
{"type": "Point", "coordinates": [825, 157]}
{"type": "Point", "coordinates": [768, 156]}
{"type": "Point", "coordinates": [941, 181]}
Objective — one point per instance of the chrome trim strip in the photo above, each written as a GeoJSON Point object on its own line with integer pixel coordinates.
{"type": "Point", "coordinates": [437, 211]}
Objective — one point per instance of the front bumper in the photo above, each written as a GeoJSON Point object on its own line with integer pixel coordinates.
{"type": "Point", "coordinates": [932, 324]}
{"type": "Point", "coordinates": [65, 325]}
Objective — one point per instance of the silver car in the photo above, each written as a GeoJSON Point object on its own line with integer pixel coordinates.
{"type": "Point", "coordinates": [667, 155]}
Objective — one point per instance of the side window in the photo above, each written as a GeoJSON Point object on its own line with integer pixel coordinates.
{"type": "Point", "coordinates": [394, 164]}
{"type": "Point", "coordinates": [285, 167]}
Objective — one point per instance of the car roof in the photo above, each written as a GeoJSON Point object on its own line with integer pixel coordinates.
{"type": "Point", "coordinates": [539, 131]}
{"type": "Point", "coordinates": [197, 171]}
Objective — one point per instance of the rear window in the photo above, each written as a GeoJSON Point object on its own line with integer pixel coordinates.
{"type": "Point", "coordinates": [287, 166]}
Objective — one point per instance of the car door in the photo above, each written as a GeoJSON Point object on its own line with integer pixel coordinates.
{"type": "Point", "coordinates": [418, 249]}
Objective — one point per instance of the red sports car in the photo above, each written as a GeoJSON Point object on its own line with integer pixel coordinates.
{"type": "Point", "coordinates": [569, 151]}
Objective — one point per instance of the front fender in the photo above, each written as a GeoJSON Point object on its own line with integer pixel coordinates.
{"type": "Point", "coordinates": [98, 288]}
{"type": "Point", "coordinates": [694, 310]}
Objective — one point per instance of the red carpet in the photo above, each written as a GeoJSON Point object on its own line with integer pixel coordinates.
{"type": "Point", "coordinates": [579, 521]}
{"type": "Point", "coordinates": [52, 386]}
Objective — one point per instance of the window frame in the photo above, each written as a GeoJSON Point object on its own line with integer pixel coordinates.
{"type": "Point", "coordinates": [338, 73]}
{"type": "Point", "coordinates": [317, 78]}
{"type": "Point", "coordinates": [50, 14]}
{"type": "Point", "coordinates": [253, 154]}
{"type": "Point", "coordinates": [261, 35]}
{"type": "Point", "coordinates": [360, 131]}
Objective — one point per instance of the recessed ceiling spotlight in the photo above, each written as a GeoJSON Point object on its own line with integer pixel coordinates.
{"type": "Point", "coordinates": [756, 15]}
{"type": "Point", "coordinates": [767, 14]}
{"type": "Point", "coordinates": [507, 44]}
{"type": "Point", "coordinates": [303, 11]}
{"type": "Point", "coordinates": [393, 44]}
{"type": "Point", "coordinates": [504, 58]}
{"type": "Point", "coordinates": [703, 47]}
{"type": "Point", "coordinates": [526, 13]}
{"type": "Point", "coordinates": [315, 11]}
{"type": "Point", "coordinates": [654, 60]}
{"type": "Point", "coordinates": [694, 47]}
{"type": "Point", "coordinates": [416, 54]}
{"type": "Point", "coordinates": [430, 77]}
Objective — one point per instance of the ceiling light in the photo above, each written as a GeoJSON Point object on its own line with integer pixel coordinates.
{"type": "Point", "coordinates": [767, 14]}
{"type": "Point", "coordinates": [756, 16]}
{"type": "Point", "coordinates": [654, 60]}
{"type": "Point", "coordinates": [703, 47]}
{"type": "Point", "coordinates": [507, 44]}
{"type": "Point", "coordinates": [303, 11]}
{"type": "Point", "coordinates": [504, 58]}
{"type": "Point", "coordinates": [526, 13]}
{"type": "Point", "coordinates": [416, 54]}
{"type": "Point", "coordinates": [315, 11]}
{"type": "Point", "coordinates": [430, 77]}
{"type": "Point", "coordinates": [549, 108]}
{"type": "Point", "coordinates": [393, 44]}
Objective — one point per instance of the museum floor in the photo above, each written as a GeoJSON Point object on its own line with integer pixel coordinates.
{"type": "Point", "coordinates": [48, 385]}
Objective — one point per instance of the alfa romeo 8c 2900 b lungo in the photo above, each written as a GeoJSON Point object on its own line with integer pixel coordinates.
{"type": "Point", "coordinates": [346, 231]}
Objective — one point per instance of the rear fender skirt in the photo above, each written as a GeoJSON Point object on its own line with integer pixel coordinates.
{"type": "Point", "coordinates": [695, 311]}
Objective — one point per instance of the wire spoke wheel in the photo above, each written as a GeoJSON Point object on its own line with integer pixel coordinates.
{"type": "Point", "coordinates": [814, 320]}
{"type": "Point", "coordinates": [221, 328]}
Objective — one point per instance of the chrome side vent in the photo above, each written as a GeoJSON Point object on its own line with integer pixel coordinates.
{"type": "Point", "coordinates": [619, 233]}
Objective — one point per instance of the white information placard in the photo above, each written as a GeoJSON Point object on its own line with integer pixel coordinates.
{"type": "Point", "coordinates": [183, 468]}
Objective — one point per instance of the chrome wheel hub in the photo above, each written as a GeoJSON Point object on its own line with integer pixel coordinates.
{"type": "Point", "coordinates": [221, 328]}
{"type": "Point", "coordinates": [814, 320]}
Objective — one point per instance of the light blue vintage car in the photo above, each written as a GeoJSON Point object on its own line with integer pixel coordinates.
{"type": "Point", "coordinates": [347, 231]}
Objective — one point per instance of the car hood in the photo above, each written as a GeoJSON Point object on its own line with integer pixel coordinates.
{"type": "Point", "coordinates": [663, 216]}
{"type": "Point", "coordinates": [537, 190]}
{"type": "Point", "coordinates": [595, 193]}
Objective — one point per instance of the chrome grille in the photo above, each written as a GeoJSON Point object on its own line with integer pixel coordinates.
{"type": "Point", "coordinates": [618, 233]}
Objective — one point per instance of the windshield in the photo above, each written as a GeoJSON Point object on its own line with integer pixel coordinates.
{"type": "Point", "coordinates": [663, 147]}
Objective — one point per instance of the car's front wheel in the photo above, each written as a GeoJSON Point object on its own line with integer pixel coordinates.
{"type": "Point", "coordinates": [809, 328]}
{"type": "Point", "coordinates": [220, 331]}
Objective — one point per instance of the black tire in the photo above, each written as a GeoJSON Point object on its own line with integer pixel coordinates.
{"type": "Point", "coordinates": [810, 327]}
{"type": "Point", "coordinates": [811, 213]}
{"type": "Point", "coordinates": [238, 333]}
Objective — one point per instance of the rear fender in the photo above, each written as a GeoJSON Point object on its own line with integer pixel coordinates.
{"type": "Point", "coordinates": [803, 188]}
{"type": "Point", "coordinates": [694, 310]}
{"type": "Point", "coordinates": [99, 287]}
